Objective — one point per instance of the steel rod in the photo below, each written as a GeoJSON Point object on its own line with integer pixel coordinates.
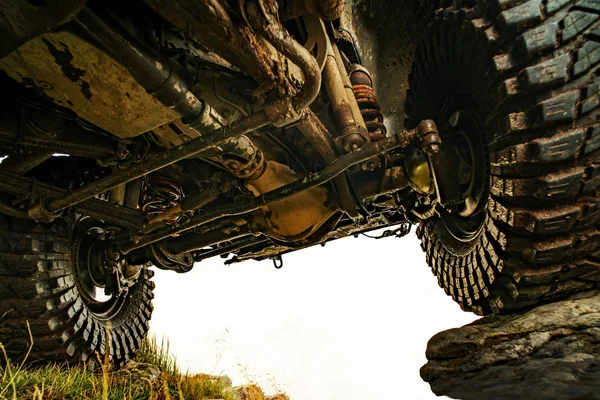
{"type": "Point", "coordinates": [229, 248]}
{"type": "Point", "coordinates": [22, 164]}
{"type": "Point", "coordinates": [11, 182]}
{"type": "Point", "coordinates": [189, 149]}
{"type": "Point", "coordinates": [193, 242]}
{"type": "Point", "coordinates": [12, 212]}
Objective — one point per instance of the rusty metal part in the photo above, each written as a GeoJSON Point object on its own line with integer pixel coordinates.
{"type": "Point", "coordinates": [158, 78]}
{"type": "Point", "coordinates": [39, 213]}
{"type": "Point", "coordinates": [74, 74]}
{"type": "Point", "coordinates": [356, 112]}
{"type": "Point", "coordinates": [445, 178]}
{"type": "Point", "coordinates": [210, 23]}
{"type": "Point", "coordinates": [163, 259]}
{"type": "Point", "coordinates": [430, 137]}
{"type": "Point", "coordinates": [350, 137]}
{"type": "Point", "coordinates": [362, 86]}
{"type": "Point", "coordinates": [193, 242]}
{"type": "Point", "coordinates": [40, 131]}
{"type": "Point", "coordinates": [177, 253]}
{"type": "Point", "coordinates": [419, 161]}
{"type": "Point", "coordinates": [117, 194]}
{"type": "Point", "coordinates": [12, 212]}
{"type": "Point", "coordinates": [321, 140]}
{"type": "Point", "coordinates": [236, 245]}
{"type": "Point", "coordinates": [392, 180]}
{"type": "Point", "coordinates": [296, 216]}
{"type": "Point", "coordinates": [208, 120]}
{"type": "Point", "coordinates": [438, 163]}
{"type": "Point", "coordinates": [326, 9]}
{"type": "Point", "coordinates": [243, 158]}
{"type": "Point", "coordinates": [263, 17]}
{"type": "Point", "coordinates": [95, 208]}
{"type": "Point", "coordinates": [132, 194]}
{"type": "Point", "coordinates": [206, 194]}
{"type": "Point", "coordinates": [148, 69]}
{"type": "Point", "coordinates": [192, 148]}
{"type": "Point", "coordinates": [160, 194]}
{"type": "Point", "coordinates": [317, 135]}
{"type": "Point", "coordinates": [318, 40]}
{"type": "Point", "coordinates": [300, 214]}
{"type": "Point", "coordinates": [196, 200]}
{"type": "Point", "coordinates": [319, 178]}
{"type": "Point", "coordinates": [239, 155]}
{"type": "Point", "coordinates": [190, 107]}
{"type": "Point", "coordinates": [23, 20]}
{"type": "Point", "coordinates": [407, 136]}
{"type": "Point", "coordinates": [340, 229]}
{"type": "Point", "coordinates": [24, 163]}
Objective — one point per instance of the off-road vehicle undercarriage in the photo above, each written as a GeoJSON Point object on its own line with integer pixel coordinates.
{"type": "Point", "coordinates": [167, 132]}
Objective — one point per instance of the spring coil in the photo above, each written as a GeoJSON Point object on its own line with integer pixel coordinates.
{"type": "Point", "coordinates": [159, 194]}
{"type": "Point", "coordinates": [362, 85]}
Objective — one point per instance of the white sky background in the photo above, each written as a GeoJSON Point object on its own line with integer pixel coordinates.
{"type": "Point", "coordinates": [347, 321]}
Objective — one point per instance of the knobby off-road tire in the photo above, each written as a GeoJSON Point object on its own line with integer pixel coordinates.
{"type": "Point", "coordinates": [38, 286]}
{"type": "Point", "coordinates": [529, 69]}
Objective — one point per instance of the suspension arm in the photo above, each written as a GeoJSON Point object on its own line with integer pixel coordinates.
{"type": "Point", "coordinates": [11, 182]}
{"type": "Point", "coordinates": [161, 160]}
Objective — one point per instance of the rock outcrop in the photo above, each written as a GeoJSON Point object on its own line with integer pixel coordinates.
{"type": "Point", "coordinates": [253, 392]}
{"type": "Point", "coordinates": [137, 373]}
{"type": "Point", "coordinates": [550, 352]}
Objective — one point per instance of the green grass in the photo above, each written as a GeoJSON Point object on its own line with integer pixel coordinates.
{"type": "Point", "coordinates": [54, 381]}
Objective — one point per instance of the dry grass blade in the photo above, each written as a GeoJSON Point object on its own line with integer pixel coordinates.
{"type": "Point", "coordinates": [58, 381]}
{"type": "Point", "coordinates": [106, 364]}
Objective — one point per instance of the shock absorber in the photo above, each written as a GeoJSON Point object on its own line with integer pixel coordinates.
{"type": "Point", "coordinates": [160, 194]}
{"type": "Point", "coordinates": [362, 85]}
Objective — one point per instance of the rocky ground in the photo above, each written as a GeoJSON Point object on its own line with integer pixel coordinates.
{"type": "Point", "coordinates": [550, 352]}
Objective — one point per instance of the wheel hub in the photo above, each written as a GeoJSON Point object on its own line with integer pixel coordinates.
{"type": "Point", "coordinates": [463, 136]}
{"type": "Point", "coordinates": [94, 278]}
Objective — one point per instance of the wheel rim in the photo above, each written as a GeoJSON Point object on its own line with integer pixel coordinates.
{"type": "Point", "coordinates": [463, 133]}
{"type": "Point", "coordinates": [89, 279]}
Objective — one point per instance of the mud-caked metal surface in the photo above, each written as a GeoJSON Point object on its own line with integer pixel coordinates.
{"type": "Point", "coordinates": [387, 33]}
{"type": "Point", "coordinates": [75, 74]}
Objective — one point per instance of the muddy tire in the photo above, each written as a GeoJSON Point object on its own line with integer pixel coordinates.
{"type": "Point", "coordinates": [529, 71]}
{"type": "Point", "coordinates": [39, 293]}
